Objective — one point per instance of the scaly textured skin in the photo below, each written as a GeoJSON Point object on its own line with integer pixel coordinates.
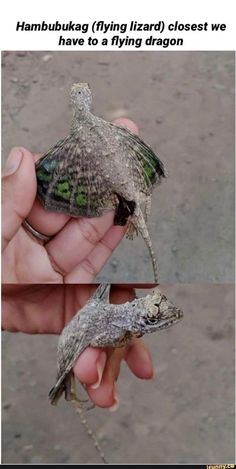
{"type": "Point", "coordinates": [101, 324]}
{"type": "Point", "coordinates": [99, 167]}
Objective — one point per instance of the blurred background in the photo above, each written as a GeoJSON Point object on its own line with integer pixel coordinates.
{"type": "Point", "coordinates": [183, 103]}
{"type": "Point", "coordinates": [184, 415]}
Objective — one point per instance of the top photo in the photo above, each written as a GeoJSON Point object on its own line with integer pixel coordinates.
{"type": "Point", "coordinates": [118, 167]}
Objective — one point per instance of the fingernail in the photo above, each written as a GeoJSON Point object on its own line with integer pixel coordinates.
{"type": "Point", "coordinates": [13, 162]}
{"type": "Point", "coordinates": [101, 362]}
{"type": "Point", "coordinates": [148, 369]}
{"type": "Point", "coordinates": [116, 403]}
{"type": "Point", "coordinates": [152, 375]}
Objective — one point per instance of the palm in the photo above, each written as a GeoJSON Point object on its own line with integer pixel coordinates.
{"type": "Point", "coordinates": [26, 261]}
{"type": "Point", "coordinates": [77, 251]}
{"type": "Point", "coordinates": [46, 309]}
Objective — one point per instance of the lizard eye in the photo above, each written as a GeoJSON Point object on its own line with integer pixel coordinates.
{"type": "Point", "coordinates": [151, 320]}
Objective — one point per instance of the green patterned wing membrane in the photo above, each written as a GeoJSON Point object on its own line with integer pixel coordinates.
{"type": "Point", "coordinates": [148, 165]}
{"type": "Point", "coordinates": [47, 168]}
{"type": "Point", "coordinates": [66, 181]}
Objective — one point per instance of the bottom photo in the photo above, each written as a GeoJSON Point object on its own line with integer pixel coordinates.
{"type": "Point", "coordinates": [97, 374]}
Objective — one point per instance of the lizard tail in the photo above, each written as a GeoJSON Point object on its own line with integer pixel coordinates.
{"type": "Point", "coordinates": [91, 434]}
{"type": "Point", "coordinates": [139, 223]}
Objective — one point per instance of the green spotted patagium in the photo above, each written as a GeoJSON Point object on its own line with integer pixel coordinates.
{"type": "Point", "coordinates": [98, 167]}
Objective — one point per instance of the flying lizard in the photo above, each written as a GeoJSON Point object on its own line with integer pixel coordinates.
{"type": "Point", "coordinates": [102, 324]}
{"type": "Point", "coordinates": [99, 167]}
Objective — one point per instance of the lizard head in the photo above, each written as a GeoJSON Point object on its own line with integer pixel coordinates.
{"type": "Point", "coordinates": [81, 96]}
{"type": "Point", "coordinates": [158, 313]}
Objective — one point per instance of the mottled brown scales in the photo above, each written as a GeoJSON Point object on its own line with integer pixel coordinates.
{"type": "Point", "coordinates": [101, 324]}
{"type": "Point", "coordinates": [99, 167]}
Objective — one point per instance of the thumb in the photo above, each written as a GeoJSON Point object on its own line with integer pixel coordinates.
{"type": "Point", "coordinates": [18, 191]}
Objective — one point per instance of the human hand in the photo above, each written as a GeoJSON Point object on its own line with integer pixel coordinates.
{"type": "Point", "coordinates": [79, 246]}
{"type": "Point", "coordinates": [46, 309]}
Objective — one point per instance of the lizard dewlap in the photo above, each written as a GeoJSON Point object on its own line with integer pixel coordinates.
{"type": "Point", "coordinates": [99, 167]}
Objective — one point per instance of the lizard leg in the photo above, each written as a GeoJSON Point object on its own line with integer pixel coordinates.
{"type": "Point", "coordinates": [70, 391]}
{"type": "Point", "coordinates": [102, 293]}
{"type": "Point", "coordinates": [140, 224]}
{"type": "Point", "coordinates": [124, 210]}
{"type": "Point", "coordinates": [131, 231]}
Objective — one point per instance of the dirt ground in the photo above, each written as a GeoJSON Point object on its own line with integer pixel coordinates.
{"type": "Point", "coordinates": [183, 103]}
{"type": "Point", "coordinates": [185, 415]}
